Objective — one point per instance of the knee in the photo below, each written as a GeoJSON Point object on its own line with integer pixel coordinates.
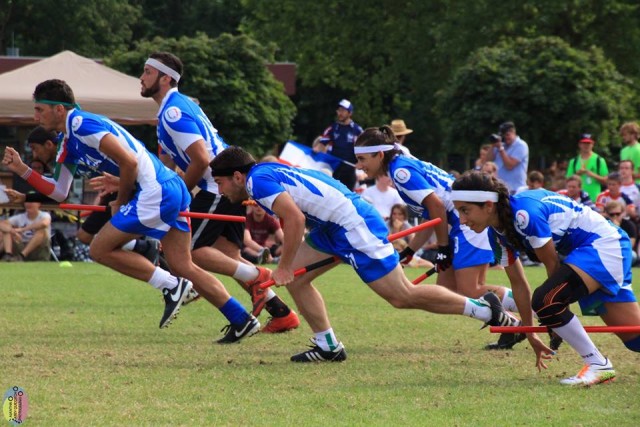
{"type": "Point", "coordinates": [634, 344]}
{"type": "Point", "coordinates": [398, 301]}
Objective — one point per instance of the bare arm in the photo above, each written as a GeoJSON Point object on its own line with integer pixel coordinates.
{"type": "Point", "coordinates": [548, 256]}
{"type": "Point", "coordinates": [199, 162]}
{"type": "Point", "coordinates": [436, 209]}
{"type": "Point", "coordinates": [128, 166]}
{"type": "Point", "coordinates": [522, 297]}
{"type": "Point", "coordinates": [293, 231]}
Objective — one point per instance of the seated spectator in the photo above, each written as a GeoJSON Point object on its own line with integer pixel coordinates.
{"type": "Point", "coordinates": [613, 193]}
{"type": "Point", "coordinates": [614, 211]}
{"type": "Point", "coordinates": [382, 196]}
{"type": "Point", "coordinates": [535, 180]}
{"type": "Point", "coordinates": [491, 168]}
{"type": "Point", "coordinates": [629, 187]}
{"type": "Point", "coordinates": [574, 191]}
{"type": "Point", "coordinates": [263, 237]}
{"type": "Point", "coordinates": [482, 157]}
{"type": "Point", "coordinates": [397, 221]}
{"type": "Point", "coordinates": [26, 236]}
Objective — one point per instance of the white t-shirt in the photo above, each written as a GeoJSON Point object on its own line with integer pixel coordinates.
{"type": "Point", "coordinates": [634, 194]}
{"type": "Point", "coordinates": [383, 201]}
{"type": "Point", "coordinates": [22, 220]}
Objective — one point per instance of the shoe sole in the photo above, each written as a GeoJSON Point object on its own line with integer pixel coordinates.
{"type": "Point", "coordinates": [279, 331]}
{"type": "Point", "coordinates": [176, 310]}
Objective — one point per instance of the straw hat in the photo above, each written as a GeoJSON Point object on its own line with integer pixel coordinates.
{"type": "Point", "coordinates": [399, 128]}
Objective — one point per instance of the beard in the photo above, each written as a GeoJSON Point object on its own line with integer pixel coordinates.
{"type": "Point", "coordinates": [151, 91]}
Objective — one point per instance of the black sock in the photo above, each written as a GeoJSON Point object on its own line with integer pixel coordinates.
{"type": "Point", "coordinates": [277, 308]}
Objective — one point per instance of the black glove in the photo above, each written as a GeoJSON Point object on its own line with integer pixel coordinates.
{"type": "Point", "coordinates": [444, 257]}
{"type": "Point", "coordinates": [406, 255]}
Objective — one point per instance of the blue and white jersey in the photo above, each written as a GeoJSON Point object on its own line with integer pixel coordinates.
{"type": "Point", "coordinates": [322, 199]}
{"type": "Point", "coordinates": [583, 236]}
{"type": "Point", "coordinates": [181, 122]}
{"type": "Point", "coordinates": [340, 222]}
{"type": "Point", "coordinates": [415, 180]}
{"type": "Point", "coordinates": [542, 215]}
{"type": "Point", "coordinates": [82, 142]}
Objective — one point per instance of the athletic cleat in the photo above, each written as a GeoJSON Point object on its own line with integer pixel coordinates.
{"type": "Point", "coordinates": [554, 341]}
{"type": "Point", "coordinates": [152, 250]}
{"type": "Point", "coordinates": [316, 354]}
{"type": "Point", "coordinates": [281, 324]}
{"type": "Point", "coordinates": [592, 374]}
{"type": "Point", "coordinates": [173, 299]}
{"type": "Point", "coordinates": [235, 333]}
{"type": "Point", "coordinates": [192, 296]}
{"type": "Point", "coordinates": [259, 296]}
{"type": "Point", "coordinates": [506, 342]}
{"type": "Point", "coordinates": [499, 316]}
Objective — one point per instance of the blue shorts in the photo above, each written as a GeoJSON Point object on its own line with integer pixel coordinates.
{"type": "Point", "coordinates": [470, 249]}
{"type": "Point", "coordinates": [608, 261]}
{"type": "Point", "coordinates": [365, 246]}
{"type": "Point", "coordinates": [154, 211]}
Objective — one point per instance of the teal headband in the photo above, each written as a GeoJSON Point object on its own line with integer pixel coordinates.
{"type": "Point", "coordinates": [50, 102]}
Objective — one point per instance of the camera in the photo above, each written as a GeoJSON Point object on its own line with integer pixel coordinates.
{"type": "Point", "coordinates": [494, 137]}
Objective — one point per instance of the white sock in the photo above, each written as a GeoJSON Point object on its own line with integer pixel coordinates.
{"type": "Point", "coordinates": [129, 245]}
{"type": "Point", "coordinates": [508, 302]}
{"type": "Point", "coordinates": [245, 272]}
{"type": "Point", "coordinates": [476, 309]}
{"type": "Point", "coordinates": [162, 279]}
{"type": "Point", "coordinates": [326, 340]}
{"type": "Point", "coordinates": [575, 335]}
{"type": "Point", "coordinates": [270, 294]}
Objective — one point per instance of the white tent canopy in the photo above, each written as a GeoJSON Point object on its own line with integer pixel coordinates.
{"type": "Point", "coordinates": [97, 88]}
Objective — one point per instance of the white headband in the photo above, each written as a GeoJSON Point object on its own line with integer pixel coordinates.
{"type": "Point", "coordinates": [163, 68]}
{"type": "Point", "coordinates": [474, 196]}
{"type": "Point", "coordinates": [375, 148]}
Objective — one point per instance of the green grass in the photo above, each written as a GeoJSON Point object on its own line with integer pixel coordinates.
{"type": "Point", "coordinates": [85, 345]}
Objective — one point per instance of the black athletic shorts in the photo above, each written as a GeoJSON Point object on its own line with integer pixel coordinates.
{"type": "Point", "coordinates": [94, 222]}
{"type": "Point", "coordinates": [205, 232]}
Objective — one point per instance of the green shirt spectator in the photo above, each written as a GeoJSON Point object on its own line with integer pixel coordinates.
{"type": "Point", "coordinates": [629, 133]}
{"type": "Point", "coordinates": [591, 167]}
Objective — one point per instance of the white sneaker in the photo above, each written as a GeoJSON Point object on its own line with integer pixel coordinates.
{"type": "Point", "coordinates": [592, 374]}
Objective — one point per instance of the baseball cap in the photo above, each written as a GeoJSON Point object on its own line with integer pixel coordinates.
{"type": "Point", "coordinates": [586, 137]}
{"type": "Point", "coordinates": [346, 104]}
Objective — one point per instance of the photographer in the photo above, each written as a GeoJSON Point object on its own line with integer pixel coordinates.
{"type": "Point", "coordinates": [511, 154]}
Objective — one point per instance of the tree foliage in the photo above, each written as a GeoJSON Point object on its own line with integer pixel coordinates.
{"type": "Point", "coordinates": [229, 78]}
{"type": "Point", "coordinates": [552, 92]}
{"type": "Point", "coordinates": [88, 27]}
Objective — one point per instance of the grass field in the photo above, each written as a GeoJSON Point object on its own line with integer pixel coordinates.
{"type": "Point", "coordinates": [84, 343]}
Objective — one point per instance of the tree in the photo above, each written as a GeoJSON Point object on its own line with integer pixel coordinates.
{"type": "Point", "coordinates": [550, 90]}
{"type": "Point", "coordinates": [177, 18]}
{"type": "Point", "coordinates": [229, 78]}
{"type": "Point", "coordinates": [88, 27]}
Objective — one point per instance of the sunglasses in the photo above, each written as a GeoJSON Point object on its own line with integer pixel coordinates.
{"type": "Point", "coordinates": [614, 213]}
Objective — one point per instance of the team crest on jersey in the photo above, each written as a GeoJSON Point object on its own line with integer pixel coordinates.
{"type": "Point", "coordinates": [76, 123]}
{"type": "Point", "coordinates": [172, 114]}
{"type": "Point", "coordinates": [522, 219]}
{"type": "Point", "coordinates": [402, 175]}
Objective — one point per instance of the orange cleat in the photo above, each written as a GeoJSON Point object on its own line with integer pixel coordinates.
{"type": "Point", "coordinates": [281, 324]}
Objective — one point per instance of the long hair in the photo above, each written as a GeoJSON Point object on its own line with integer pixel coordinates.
{"type": "Point", "coordinates": [478, 181]}
{"type": "Point", "coordinates": [380, 136]}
